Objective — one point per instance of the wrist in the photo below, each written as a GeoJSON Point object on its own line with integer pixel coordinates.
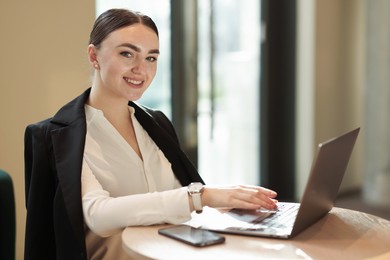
{"type": "Point", "coordinates": [195, 192]}
{"type": "Point", "coordinates": [206, 196]}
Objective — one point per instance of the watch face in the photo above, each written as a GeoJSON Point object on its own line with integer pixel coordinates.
{"type": "Point", "coordinates": [195, 187]}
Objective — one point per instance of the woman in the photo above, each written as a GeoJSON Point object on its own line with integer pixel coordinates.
{"type": "Point", "coordinates": [103, 162]}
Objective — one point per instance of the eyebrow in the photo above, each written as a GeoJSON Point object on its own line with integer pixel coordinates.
{"type": "Point", "coordinates": [137, 49]}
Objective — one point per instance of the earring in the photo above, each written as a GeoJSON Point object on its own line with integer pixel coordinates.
{"type": "Point", "coordinates": [95, 64]}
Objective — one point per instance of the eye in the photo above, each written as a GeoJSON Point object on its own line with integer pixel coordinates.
{"type": "Point", "coordinates": [126, 54]}
{"type": "Point", "coordinates": [151, 59]}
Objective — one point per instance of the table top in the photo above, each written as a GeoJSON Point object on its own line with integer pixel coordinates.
{"type": "Point", "coordinates": [341, 233]}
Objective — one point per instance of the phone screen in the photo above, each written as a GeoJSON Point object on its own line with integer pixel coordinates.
{"type": "Point", "coordinates": [192, 236]}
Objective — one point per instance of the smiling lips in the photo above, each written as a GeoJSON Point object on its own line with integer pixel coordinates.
{"type": "Point", "coordinates": [137, 83]}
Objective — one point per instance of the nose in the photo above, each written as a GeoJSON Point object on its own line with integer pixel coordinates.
{"type": "Point", "coordinates": [139, 66]}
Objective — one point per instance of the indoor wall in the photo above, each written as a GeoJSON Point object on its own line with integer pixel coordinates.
{"type": "Point", "coordinates": [330, 81]}
{"type": "Point", "coordinates": [339, 77]}
{"type": "Point", "coordinates": [43, 65]}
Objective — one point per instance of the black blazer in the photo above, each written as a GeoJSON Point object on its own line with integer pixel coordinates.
{"type": "Point", "coordinates": [53, 158]}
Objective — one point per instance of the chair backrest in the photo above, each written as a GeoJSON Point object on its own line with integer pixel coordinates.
{"type": "Point", "coordinates": [7, 217]}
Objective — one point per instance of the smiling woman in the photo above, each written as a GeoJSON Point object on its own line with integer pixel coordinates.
{"type": "Point", "coordinates": [104, 162]}
{"type": "Point", "coordinates": [129, 55]}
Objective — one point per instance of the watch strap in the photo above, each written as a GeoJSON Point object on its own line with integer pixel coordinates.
{"type": "Point", "coordinates": [197, 202]}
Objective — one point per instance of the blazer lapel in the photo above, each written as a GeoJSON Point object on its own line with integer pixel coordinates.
{"type": "Point", "coordinates": [182, 167]}
{"type": "Point", "coordinates": [68, 148]}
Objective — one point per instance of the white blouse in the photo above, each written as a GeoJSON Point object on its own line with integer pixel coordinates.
{"type": "Point", "coordinates": [119, 189]}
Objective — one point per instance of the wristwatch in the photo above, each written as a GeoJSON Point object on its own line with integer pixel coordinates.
{"type": "Point", "coordinates": [195, 190]}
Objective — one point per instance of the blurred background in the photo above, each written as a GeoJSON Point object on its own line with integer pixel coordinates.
{"type": "Point", "coordinates": [252, 86]}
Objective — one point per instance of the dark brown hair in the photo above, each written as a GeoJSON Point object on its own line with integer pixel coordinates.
{"type": "Point", "coordinates": [114, 19]}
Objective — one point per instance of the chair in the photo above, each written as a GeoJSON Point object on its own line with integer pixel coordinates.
{"type": "Point", "coordinates": [7, 217]}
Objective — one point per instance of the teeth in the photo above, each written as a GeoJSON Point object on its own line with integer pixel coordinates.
{"type": "Point", "coordinates": [135, 82]}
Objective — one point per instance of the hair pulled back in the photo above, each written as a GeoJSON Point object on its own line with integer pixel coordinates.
{"type": "Point", "coordinates": [114, 19]}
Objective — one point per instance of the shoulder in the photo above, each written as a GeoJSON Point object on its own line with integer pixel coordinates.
{"type": "Point", "coordinates": [159, 118]}
{"type": "Point", "coordinates": [68, 113]}
{"type": "Point", "coordinates": [40, 128]}
{"type": "Point", "coordinates": [72, 111]}
{"type": "Point", "coordinates": [156, 114]}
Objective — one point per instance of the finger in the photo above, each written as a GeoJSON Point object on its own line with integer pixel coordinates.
{"type": "Point", "coordinates": [255, 197]}
{"type": "Point", "coordinates": [268, 192]}
{"type": "Point", "coordinates": [265, 201]}
{"type": "Point", "coordinates": [260, 194]}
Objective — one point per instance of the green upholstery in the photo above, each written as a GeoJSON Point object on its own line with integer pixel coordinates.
{"type": "Point", "coordinates": [7, 217]}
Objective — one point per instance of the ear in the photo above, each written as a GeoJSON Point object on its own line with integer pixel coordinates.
{"type": "Point", "coordinates": [92, 56]}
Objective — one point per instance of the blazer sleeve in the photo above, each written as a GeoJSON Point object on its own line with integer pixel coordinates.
{"type": "Point", "coordinates": [40, 186]}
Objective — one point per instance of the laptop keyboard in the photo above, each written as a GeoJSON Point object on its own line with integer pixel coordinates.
{"type": "Point", "coordinates": [284, 217]}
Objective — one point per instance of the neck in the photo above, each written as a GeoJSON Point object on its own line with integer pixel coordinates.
{"type": "Point", "coordinates": [110, 105]}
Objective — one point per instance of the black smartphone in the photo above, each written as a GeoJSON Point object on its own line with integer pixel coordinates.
{"type": "Point", "coordinates": [192, 236]}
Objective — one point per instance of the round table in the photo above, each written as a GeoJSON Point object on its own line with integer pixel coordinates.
{"type": "Point", "coordinates": [342, 233]}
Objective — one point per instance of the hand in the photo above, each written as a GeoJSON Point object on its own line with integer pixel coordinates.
{"type": "Point", "coordinates": [242, 197]}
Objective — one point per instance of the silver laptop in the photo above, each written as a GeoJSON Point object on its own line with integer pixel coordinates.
{"type": "Point", "coordinates": [289, 219]}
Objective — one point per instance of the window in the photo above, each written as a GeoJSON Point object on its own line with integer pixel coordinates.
{"type": "Point", "coordinates": [228, 122]}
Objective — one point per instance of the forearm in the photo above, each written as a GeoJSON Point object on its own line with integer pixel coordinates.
{"type": "Point", "coordinates": [106, 215]}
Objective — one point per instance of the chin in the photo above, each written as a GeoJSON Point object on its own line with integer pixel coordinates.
{"type": "Point", "coordinates": [134, 94]}
{"type": "Point", "coordinates": [134, 97]}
